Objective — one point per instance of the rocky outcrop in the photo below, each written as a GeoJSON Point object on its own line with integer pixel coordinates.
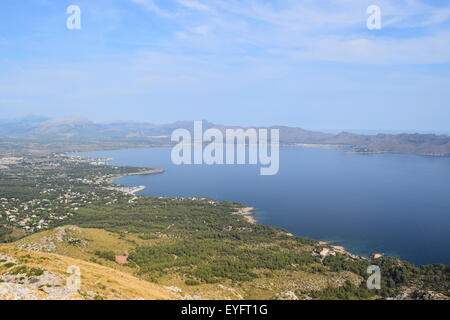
{"type": "Point", "coordinates": [49, 243]}
{"type": "Point", "coordinates": [19, 283]}
{"type": "Point", "coordinates": [416, 294]}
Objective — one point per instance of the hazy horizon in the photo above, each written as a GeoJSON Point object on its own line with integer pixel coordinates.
{"type": "Point", "coordinates": [155, 122]}
{"type": "Point", "coordinates": [303, 63]}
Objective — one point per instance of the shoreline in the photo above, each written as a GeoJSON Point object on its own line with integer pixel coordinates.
{"type": "Point", "coordinates": [138, 173]}
{"type": "Point", "coordinates": [320, 145]}
{"type": "Point", "coordinates": [249, 214]}
{"type": "Point", "coordinates": [132, 190]}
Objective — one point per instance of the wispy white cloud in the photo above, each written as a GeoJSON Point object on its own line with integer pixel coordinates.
{"type": "Point", "coordinates": [332, 30]}
{"type": "Point", "coordinates": [153, 7]}
{"type": "Point", "coordinates": [218, 58]}
{"type": "Point", "coordinates": [194, 5]}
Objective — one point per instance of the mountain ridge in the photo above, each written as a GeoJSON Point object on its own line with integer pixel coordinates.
{"type": "Point", "coordinates": [79, 128]}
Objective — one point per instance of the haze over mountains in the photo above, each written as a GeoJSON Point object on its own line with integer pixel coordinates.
{"type": "Point", "coordinates": [80, 128]}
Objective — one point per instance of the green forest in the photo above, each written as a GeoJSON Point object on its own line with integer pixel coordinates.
{"type": "Point", "coordinates": [199, 245]}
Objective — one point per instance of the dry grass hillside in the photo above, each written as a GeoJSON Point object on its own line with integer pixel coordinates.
{"type": "Point", "coordinates": [104, 278]}
{"type": "Point", "coordinates": [26, 274]}
{"type": "Point", "coordinates": [38, 267]}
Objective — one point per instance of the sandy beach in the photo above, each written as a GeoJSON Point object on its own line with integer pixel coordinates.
{"type": "Point", "coordinates": [137, 189]}
{"type": "Point", "coordinates": [248, 213]}
{"type": "Point", "coordinates": [128, 189]}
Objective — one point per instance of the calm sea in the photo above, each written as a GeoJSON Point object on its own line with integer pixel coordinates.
{"type": "Point", "coordinates": [380, 203]}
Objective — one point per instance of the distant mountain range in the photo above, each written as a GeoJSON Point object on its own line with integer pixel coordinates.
{"type": "Point", "coordinates": [79, 129]}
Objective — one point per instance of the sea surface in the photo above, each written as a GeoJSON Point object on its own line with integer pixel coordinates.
{"type": "Point", "coordinates": [375, 203]}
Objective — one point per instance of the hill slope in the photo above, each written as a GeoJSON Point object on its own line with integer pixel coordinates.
{"type": "Point", "coordinates": [100, 247]}
{"type": "Point", "coordinates": [32, 275]}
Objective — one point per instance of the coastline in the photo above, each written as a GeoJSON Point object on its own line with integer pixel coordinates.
{"type": "Point", "coordinates": [130, 189]}
{"type": "Point", "coordinates": [138, 173]}
{"type": "Point", "coordinates": [320, 145]}
{"type": "Point", "coordinates": [248, 213]}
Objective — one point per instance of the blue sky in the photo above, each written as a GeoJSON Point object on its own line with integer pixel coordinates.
{"type": "Point", "coordinates": [306, 63]}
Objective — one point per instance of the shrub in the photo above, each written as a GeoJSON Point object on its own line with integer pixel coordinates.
{"type": "Point", "coordinates": [107, 255]}
{"type": "Point", "coordinates": [191, 282]}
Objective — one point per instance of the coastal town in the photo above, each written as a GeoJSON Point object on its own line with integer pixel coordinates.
{"type": "Point", "coordinates": [37, 193]}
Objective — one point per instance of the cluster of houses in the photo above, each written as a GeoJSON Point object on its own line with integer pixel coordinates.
{"type": "Point", "coordinates": [55, 198]}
